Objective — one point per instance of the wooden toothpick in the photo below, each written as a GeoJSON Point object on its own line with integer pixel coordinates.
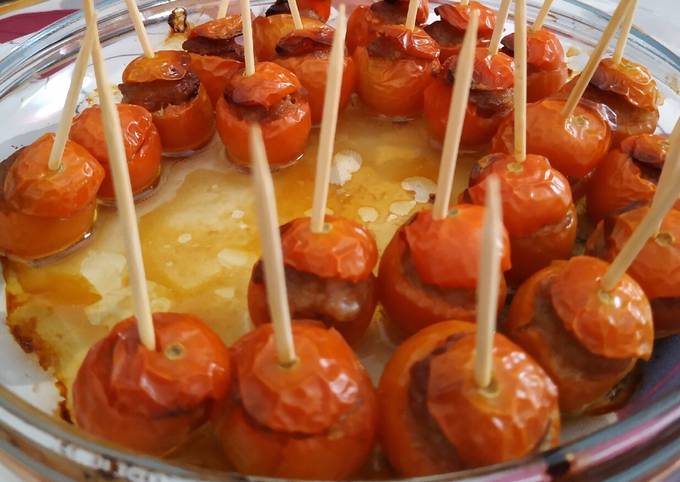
{"type": "Point", "coordinates": [329, 122]}
{"type": "Point", "coordinates": [248, 49]}
{"type": "Point", "coordinates": [454, 126]}
{"type": "Point", "coordinates": [138, 23]}
{"type": "Point", "coordinates": [587, 74]}
{"type": "Point", "coordinates": [223, 8]}
{"type": "Point", "coordinates": [501, 18]}
{"type": "Point", "coordinates": [663, 202]}
{"type": "Point", "coordinates": [272, 255]}
{"type": "Point", "coordinates": [295, 13]}
{"type": "Point", "coordinates": [625, 32]}
{"type": "Point", "coordinates": [488, 282]}
{"type": "Point", "coordinates": [540, 19]}
{"type": "Point", "coordinates": [520, 97]}
{"type": "Point", "coordinates": [79, 69]}
{"type": "Point", "coordinates": [412, 14]}
{"type": "Point", "coordinates": [123, 190]}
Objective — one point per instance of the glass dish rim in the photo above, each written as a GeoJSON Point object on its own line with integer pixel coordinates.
{"type": "Point", "coordinates": [657, 416]}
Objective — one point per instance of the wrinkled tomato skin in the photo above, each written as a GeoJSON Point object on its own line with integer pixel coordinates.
{"type": "Point", "coordinates": [573, 147]}
{"type": "Point", "coordinates": [322, 8]}
{"type": "Point", "coordinates": [187, 127]}
{"type": "Point", "coordinates": [394, 88]}
{"type": "Point", "coordinates": [214, 73]}
{"type": "Point", "coordinates": [160, 414]}
{"type": "Point", "coordinates": [285, 137]}
{"type": "Point", "coordinates": [142, 146]}
{"type": "Point", "coordinates": [542, 84]}
{"type": "Point", "coordinates": [267, 31]}
{"type": "Point", "coordinates": [335, 453]}
{"type": "Point", "coordinates": [311, 70]}
{"type": "Point", "coordinates": [477, 130]}
{"type": "Point", "coordinates": [410, 307]}
{"type": "Point", "coordinates": [359, 26]}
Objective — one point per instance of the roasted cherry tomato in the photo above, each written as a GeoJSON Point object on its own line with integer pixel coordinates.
{"type": "Point", "coordinates": [329, 276]}
{"type": "Point", "coordinates": [538, 210]}
{"type": "Point", "coordinates": [450, 30]}
{"type": "Point", "coordinates": [436, 420]}
{"type": "Point", "coordinates": [490, 101]}
{"type": "Point", "coordinates": [428, 272]}
{"type": "Point", "coordinates": [43, 212]}
{"type": "Point", "coordinates": [152, 401]}
{"type": "Point", "coordinates": [267, 31]}
{"type": "Point", "coordinates": [215, 53]}
{"type": "Point", "coordinates": [574, 146]}
{"type": "Point", "coordinates": [395, 69]}
{"type": "Point", "coordinates": [272, 97]}
{"type": "Point", "coordinates": [547, 69]}
{"type": "Point", "coordinates": [316, 419]}
{"type": "Point", "coordinates": [318, 9]}
{"type": "Point", "coordinates": [141, 140]}
{"type": "Point", "coordinates": [306, 53]}
{"type": "Point", "coordinates": [586, 339]}
{"type": "Point", "coordinates": [630, 91]}
{"type": "Point", "coordinates": [180, 105]}
{"type": "Point", "coordinates": [627, 175]}
{"type": "Point", "coordinates": [657, 266]}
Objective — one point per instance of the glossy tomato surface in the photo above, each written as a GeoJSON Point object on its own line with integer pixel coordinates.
{"type": "Point", "coordinates": [316, 419]}
{"type": "Point", "coordinates": [267, 31]}
{"type": "Point", "coordinates": [165, 65]}
{"type": "Point", "coordinates": [214, 73]}
{"type": "Point", "coordinates": [152, 401]}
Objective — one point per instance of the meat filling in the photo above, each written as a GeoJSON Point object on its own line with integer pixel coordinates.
{"type": "Point", "coordinates": [444, 34]}
{"type": "Point", "coordinates": [159, 94]}
{"type": "Point", "coordinates": [226, 48]}
{"type": "Point", "coordinates": [250, 113]}
{"type": "Point", "coordinates": [630, 120]}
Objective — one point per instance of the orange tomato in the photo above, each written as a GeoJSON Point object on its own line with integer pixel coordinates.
{"type": "Point", "coordinates": [267, 31]}
{"type": "Point", "coordinates": [224, 28]}
{"type": "Point", "coordinates": [458, 17]}
{"type": "Point", "coordinates": [631, 80]}
{"type": "Point", "coordinates": [574, 146]}
{"type": "Point", "coordinates": [165, 65]}
{"type": "Point", "coordinates": [214, 73]}
{"type": "Point", "coordinates": [320, 9]}
{"type": "Point", "coordinates": [152, 401]}
{"type": "Point", "coordinates": [316, 419]}
{"type": "Point", "coordinates": [436, 420]}
{"type": "Point", "coordinates": [140, 137]}
{"type": "Point", "coordinates": [586, 341]}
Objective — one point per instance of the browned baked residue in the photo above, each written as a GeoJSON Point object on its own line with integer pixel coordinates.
{"type": "Point", "coordinates": [62, 410]}
{"type": "Point", "coordinates": [28, 339]}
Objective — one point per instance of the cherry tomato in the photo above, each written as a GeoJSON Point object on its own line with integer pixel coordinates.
{"type": "Point", "coordinates": [164, 65]}
{"type": "Point", "coordinates": [272, 97]}
{"type": "Point", "coordinates": [316, 419]}
{"type": "Point", "coordinates": [586, 340]}
{"type": "Point", "coordinates": [413, 303]}
{"type": "Point", "coordinates": [152, 401]}
{"type": "Point", "coordinates": [574, 146]}
{"type": "Point", "coordinates": [319, 9]}
{"type": "Point", "coordinates": [214, 73]}
{"type": "Point", "coordinates": [140, 137]}
{"type": "Point", "coordinates": [267, 31]}
{"type": "Point", "coordinates": [224, 28]}
{"type": "Point", "coordinates": [306, 54]}
{"type": "Point", "coordinates": [436, 420]}
{"type": "Point", "coordinates": [450, 30]}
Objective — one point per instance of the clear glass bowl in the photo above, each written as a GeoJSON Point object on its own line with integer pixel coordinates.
{"type": "Point", "coordinates": [637, 442]}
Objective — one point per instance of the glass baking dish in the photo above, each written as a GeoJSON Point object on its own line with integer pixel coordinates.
{"type": "Point", "coordinates": [638, 441]}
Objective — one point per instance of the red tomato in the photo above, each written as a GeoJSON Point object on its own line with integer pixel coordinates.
{"type": "Point", "coordinates": [165, 65]}
{"type": "Point", "coordinates": [430, 381]}
{"type": "Point", "coordinates": [631, 80]}
{"type": "Point", "coordinates": [140, 137]}
{"type": "Point", "coordinates": [214, 73]}
{"type": "Point", "coordinates": [151, 401]}
{"type": "Point", "coordinates": [458, 17]}
{"type": "Point", "coordinates": [574, 146]}
{"type": "Point", "coordinates": [586, 341]}
{"type": "Point", "coordinates": [314, 420]}
{"type": "Point", "coordinates": [267, 31]}
{"type": "Point", "coordinates": [410, 302]}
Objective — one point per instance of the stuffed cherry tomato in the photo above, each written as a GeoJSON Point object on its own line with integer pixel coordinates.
{"type": "Point", "coordinates": [366, 18]}
{"type": "Point", "coordinates": [574, 145]}
{"type": "Point", "coordinates": [395, 68]}
{"type": "Point", "coordinates": [587, 340]}
{"type": "Point", "coordinates": [274, 98]}
{"type": "Point", "coordinates": [152, 401]}
{"type": "Point", "coordinates": [547, 69]}
{"type": "Point", "coordinates": [316, 419]}
{"type": "Point", "coordinates": [491, 97]}
{"type": "Point", "coordinates": [142, 147]}
{"type": "Point", "coordinates": [538, 210]}
{"type": "Point", "coordinates": [450, 30]}
{"type": "Point", "coordinates": [631, 92]}
{"type": "Point", "coordinates": [657, 266]}
{"type": "Point", "coordinates": [317, 9]}
{"type": "Point", "coordinates": [306, 53]}
{"type": "Point", "coordinates": [165, 86]}
{"type": "Point", "coordinates": [44, 212]}
{"type": "Point", "coordinates": [428, 272]}
{"type": "Point", "coordinates": [436, 420]}
{"type": "Point", "coordinates": [626, 176]}
{"type": "Point", "coordinates": [329, 276]}
{"type": "Point", "coordinates": [216, 53]}
{"type": "Point", "coordinates": [267, 31]}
